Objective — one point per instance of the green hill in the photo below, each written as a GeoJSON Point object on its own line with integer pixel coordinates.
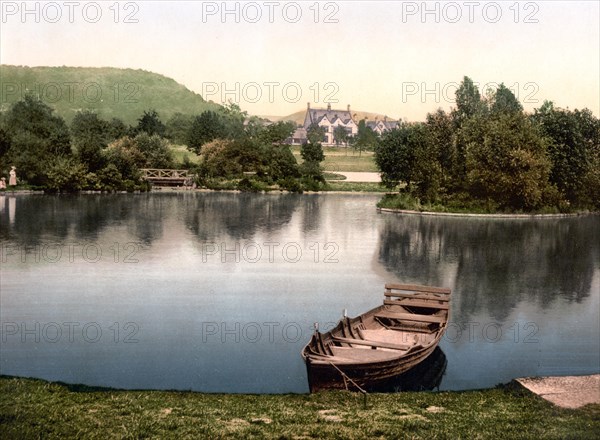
{"type": "Point", "coordinates": [110, 92]}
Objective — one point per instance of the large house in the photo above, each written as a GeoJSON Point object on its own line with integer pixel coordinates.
{"type": "Point", "coordinates": [380, 126]}
{"type": "Point", "coordinates": [327, 118]}
{"type": "Point", "coordinates": [330, 119]}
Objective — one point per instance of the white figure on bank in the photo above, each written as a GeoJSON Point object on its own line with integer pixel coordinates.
{"type": "Point", "coordinates": [12, 180]}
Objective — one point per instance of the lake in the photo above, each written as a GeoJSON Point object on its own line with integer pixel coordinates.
{"type": "Point", "coordinates": [219, 292]}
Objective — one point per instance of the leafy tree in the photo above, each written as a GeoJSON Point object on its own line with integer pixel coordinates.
{"type": "Point", "coordinates": [504, 101]}
{"type": "Point", "coordinates": [4, 142]}
{"type": "Point", "coordinates": [234, 120]}
{"type": "Point", "coordinates": [441, 132]}
{"type": "Point", "coordinates": [340, 135]}
{"type": "Point", "coordinates": [178, 127]}
{"type": "Point", "coordinates": [36, 137]}
{"type": "Point", "coordinates": [90, 137]}
{"type": "Point", "coordinates": [573, 149]}
{"type": "Point", "coordinates": [156, 150]}
{"type": "Point", "coordinates": [395, 156]}
{"type": "Point", "coordinates": [222, 158]}
{"type": "Point", "coordinates": [116, 129]}
{"type": "Point", "coordinates": [150, 123]}
{"type": "Point", "coordinates": [65, 174]}
{"type": "Point", "coordinates": [276, 133]}
{"type": "Point", "coordinates": [205, 128]}
{"type": "Point", "coordinates": [315, 134]}
{"type": "Point", "coordinates": [312, 152]}
{"type": "Point", "coordinates": [279, 162]}
{"type": "Point", "coordinates": [507, 161]}
{"type": "Point", "coordinates": [468, 100]}
{"type": "Point", "coordinates": [365, 138]}
{"type": "Point", "coordinates": [126, 158]}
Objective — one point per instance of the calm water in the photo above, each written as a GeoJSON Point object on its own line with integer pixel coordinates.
{"type": "Point", "coordinates": [219, 292]}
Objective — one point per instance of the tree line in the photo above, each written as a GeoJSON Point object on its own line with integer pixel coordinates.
{"type": "Point", "coordinates": [236, 151]}
{"type": "Point", "coordinates": [488, 154]}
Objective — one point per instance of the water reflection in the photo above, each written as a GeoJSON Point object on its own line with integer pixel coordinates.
{"type": "Point", "coordinates": [426, 376]}
{"type": "Point", "coordinates": [493, 265]}
{"type": "Point", "coordinates": [239, 217]}
{"type": "Point", "coordinates": [529, 275]}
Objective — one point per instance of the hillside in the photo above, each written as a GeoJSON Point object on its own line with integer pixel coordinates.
{"type": "Point", "coordinates": [110, 92]}
{"type": "Point", "coordinates": [298, 117]}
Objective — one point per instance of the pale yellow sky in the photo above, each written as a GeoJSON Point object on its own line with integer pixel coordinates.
{"type": "Point", "coordinates": [399, 58]}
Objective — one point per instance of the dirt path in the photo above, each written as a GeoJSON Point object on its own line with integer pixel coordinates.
{"type": "Point", "coordinates": [565, 391]}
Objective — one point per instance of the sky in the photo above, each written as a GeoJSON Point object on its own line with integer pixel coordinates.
{"type": "Point", "coordinates": [398, 58]}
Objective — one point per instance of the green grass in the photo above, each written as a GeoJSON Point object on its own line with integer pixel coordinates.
{"type": "Point", "coordinates": [340, 159]}
{"type": "Point", "coordinates": [181, 151]}
{"type": "Point", "coordinates": [37, 409]}
{"type": "Point", "coordinates": [356, 186]}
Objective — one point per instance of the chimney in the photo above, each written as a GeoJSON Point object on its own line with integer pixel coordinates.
{"type": "Point", "coordinates": [308, 105]}
{"type": "Point", "coordinates": [385, 118]}
{"type": "Point", "coordinates": [328, 106]}
{"type": "Point", "coordinates": [348, 108]}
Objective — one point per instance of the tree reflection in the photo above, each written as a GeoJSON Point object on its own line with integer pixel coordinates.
{"type": "Point", "coordinates": [209, 216]}
{"type": "Point", "coordinates": [494, 264]}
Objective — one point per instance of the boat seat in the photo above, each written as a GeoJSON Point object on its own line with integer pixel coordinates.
{"type": "Point", "coordinates": [410, 317]}
{"type": "Point", "coordinates": [417, 303]}
{"type": "Point", "coordinates": [376, 344]}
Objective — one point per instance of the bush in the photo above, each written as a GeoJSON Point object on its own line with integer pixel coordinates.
{"type": "Point", "coordinates": [65, 175]}
{"type": "Point", "coordinates": [290, 184]}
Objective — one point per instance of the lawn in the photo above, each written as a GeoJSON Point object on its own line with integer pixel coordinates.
{"type": "Point", "coordinates": [32, 408]}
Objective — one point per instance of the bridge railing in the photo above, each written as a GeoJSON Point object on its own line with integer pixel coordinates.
{"type": "Point", "coordinates": [165, 174]}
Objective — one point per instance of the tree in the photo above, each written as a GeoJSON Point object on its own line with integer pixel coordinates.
{"type": "Point", "coordinates": [312, 152]}
{"type": "Point", "coordinates": [125, 156]}
{"type": "Point", "coordinates": [178, 127]}
{"type": "Point", "coordinates": [276, 133]}
{"type": "Point", "coordinates": [340, 135]}
{"type": "Point", "coordinates": [65, 174]}
{"type": "Point", "coordinates": [315, 134]}
{"type": "Point", "coordinates": [394, 156]}
{"type": "Point", "coordinates": [205, 128]}
{"type": "Point", "coordinates": [573, 149]}
{"type": "Point", "coordinates": [90, 136]}
{"type": "Point", "coordinates": [468, 100]}
{"type": "Point", "coordinates": [507, 162]}
{"type": "Point", "coordinates": [156, 150]}
{"type": "Point", "coordinates": [365, 138]}
{"type": "Point", "coordinates": [36, 137]}
{"type": "Point", "coordinates": [441, 132]}
{"type": "Point", "coordinates": [150, 123]}
{"type": "Point", "coordinates": [116, 129]}
{"type": "Point", "coordinates": [234, 120]}
{"type": "Point", "coordinates": [504, 101]}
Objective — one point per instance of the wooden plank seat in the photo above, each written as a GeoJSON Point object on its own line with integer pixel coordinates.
{"type": "Point", "coordinates": [376, 344]}
{"type": "Point", "coordinates": [417, 303]}
{"type": "Point", "coordinates": [431, 297]}
{"type": "Point", "coordinates": [417, 288]}
{"type": "Point", "coordinates": [410, 317]}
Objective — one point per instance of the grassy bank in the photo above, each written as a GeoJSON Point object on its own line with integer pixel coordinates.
{"type": "Point", "coordinates": [457, 205]}
{"type": "Point", "coordinates": [37, 409]}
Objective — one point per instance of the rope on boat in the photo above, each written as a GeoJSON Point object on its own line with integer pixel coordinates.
{"type": "Point", "coordinates": [347, 378]}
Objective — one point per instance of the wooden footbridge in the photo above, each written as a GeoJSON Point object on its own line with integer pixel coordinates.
{"type": "Point", "coordinates": [168, 177]}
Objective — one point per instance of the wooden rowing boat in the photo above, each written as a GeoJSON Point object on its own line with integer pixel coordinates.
{"type": "Point", "coordinates": [380, 344]}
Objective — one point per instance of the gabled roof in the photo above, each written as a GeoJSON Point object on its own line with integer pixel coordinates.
{"type": "Point", "coordinates": [316, 115]}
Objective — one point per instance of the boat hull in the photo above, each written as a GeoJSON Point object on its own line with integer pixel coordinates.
{"type": "Point", "coordinates": [322, 376]}
{"type": "Point", "coordinates": [372, 349]}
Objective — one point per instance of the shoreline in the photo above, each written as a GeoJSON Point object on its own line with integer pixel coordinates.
{"type": "Point", "coordinates": [168, 189]}
{"type": "Point", "coordinates": [494, 216]}
{"type": "Point", "coordinates": [33, 408]}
